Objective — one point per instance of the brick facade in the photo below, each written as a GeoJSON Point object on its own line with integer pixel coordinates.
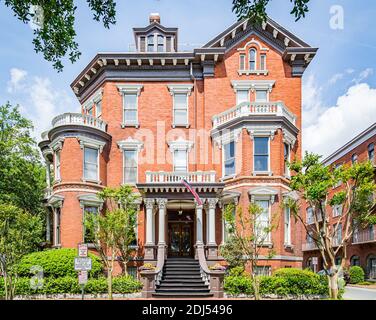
{"type": "Point", "coordinates": [213, 73]}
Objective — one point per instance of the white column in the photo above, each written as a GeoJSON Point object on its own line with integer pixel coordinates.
{"type": "Point", "coordinates": [149, 204]}
{"type": "Point", "coordinates": [199, 225]}
{"type": "Point", "coordinates": [162, 215]}
{"type": "Point", "coordinates": [48, 174]}
{"type": "Point", "coordinates": [212, 205]}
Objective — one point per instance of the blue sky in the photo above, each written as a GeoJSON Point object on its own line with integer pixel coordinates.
{"type": "Point", "coordinates": [339, 86]}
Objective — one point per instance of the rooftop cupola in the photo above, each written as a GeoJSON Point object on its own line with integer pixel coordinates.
{"type": "Point", "coordinates": [155, 37]}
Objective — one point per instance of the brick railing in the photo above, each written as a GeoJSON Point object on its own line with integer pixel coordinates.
{"type": "Point", "coordinates": [254, 108]}
{"type": "Point", "coordinates": [79, 119]}
{"type": "Point", "coordinates": [177, 177]}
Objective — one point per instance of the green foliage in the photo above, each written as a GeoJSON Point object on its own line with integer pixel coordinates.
{"type": "Point", "coordinates": [57, 263]}
{"type": "Point", "coordinates": [22, 176]}
{"type": "Point", "coordinates": [356, 274]}
{"type": "Point", "coordinates": [70, 285]}
{"type": "Point", "coordinates": [283, 282]}
{"type": "Point", "coordinates": [20, 233]}
{"type": "Point", "coordinates": [236, 271]}
{"type": "Point", "coordinates": [232, 251]}
{"type": "Point", "coordinates": [55, 37]}
{"type": "Point", "coordinates": [256, 9]}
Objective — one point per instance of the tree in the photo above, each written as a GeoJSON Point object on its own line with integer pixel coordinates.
{"type": "Point", "coordinates": [248, 235]}
{"type": "Point", "coordinates": [114, 232]}
{"type": "Point", "coordinates": [20, 233]}
{"type": "Point", "coordinates": [55, 36]}
{"type": "Point", "coordinates": [314, 183]}
{"type": "Point", "coordinates": [22, 177]}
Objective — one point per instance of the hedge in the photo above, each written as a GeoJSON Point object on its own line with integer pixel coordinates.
{"type": "Point", "coordinates": [356, 274]}
{"type": "Point", "coordinates": [69, 285]}
{"type": "Point", "coordinates": [57, 263]}
{"type": "Point", "coordinates": [283, 282]}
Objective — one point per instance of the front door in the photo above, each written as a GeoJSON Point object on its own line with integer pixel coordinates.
{"type": "Point", "coordinates": [180, 239]}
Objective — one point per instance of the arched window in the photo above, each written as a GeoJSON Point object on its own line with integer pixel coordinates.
{"type": "Point", "coordinates": [160, 45]}
{"type": "Point", "coordinates": [252, 59]}
{"type": "Point", "coordinates": [151, 43]}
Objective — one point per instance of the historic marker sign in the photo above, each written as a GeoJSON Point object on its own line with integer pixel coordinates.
{"type": "Point", "coordinates": [82, 264]}
{"type": "Point", "coordinates": [82, 250]}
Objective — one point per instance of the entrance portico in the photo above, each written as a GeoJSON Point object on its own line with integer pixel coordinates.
{"type": "Point", "coordinates": [176, 222]}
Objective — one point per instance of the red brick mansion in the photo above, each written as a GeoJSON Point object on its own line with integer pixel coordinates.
{"type": "Point", "coordinates": [226, 117]}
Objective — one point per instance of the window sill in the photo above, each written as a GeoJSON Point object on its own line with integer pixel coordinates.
{"type": "Point", "coordinates": [288, 246]}
{"type": "Point", "coordinates": [187, 126]}
{"type": "Point", "coordinates": [134, 247]}
{"type": "Point", "coordinates": [91, 181]}
{"type": "Point", "coordinates": [58, 246]}
{"type": "Point", "coordinates": [226, 178]}
{"type": "Point", "coordinates": [255, 72]}
{"type": "Point", "coordinates": [130, 125]}
{"type": "Point", "coordinates": [287, 176]}
{"type": "Point", "coordinates": [262, 173]}
{"type": "Point", "coordinates": [130, 184]}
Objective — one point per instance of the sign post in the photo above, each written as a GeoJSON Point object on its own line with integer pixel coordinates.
{"type": "Point", "coordinates": [83, 265]}
{"type": "Point", "coordinates": [315, 262]}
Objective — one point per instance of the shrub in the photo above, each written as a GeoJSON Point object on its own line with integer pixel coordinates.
{"type": "Point", "coordinates": [236, 271]}
{"type": "Point", "coordinates": [123, 285]}
{"type": "Point", "coordinates": [284, 282]}
{"type": "Point", "coordinates": [56, 263]}
{"type": "Point", "coordinates": [236, 285]}
{"type": "Point", "coordinates": [356, 274]}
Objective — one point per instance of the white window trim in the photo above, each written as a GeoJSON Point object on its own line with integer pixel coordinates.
{"type": "Point", "coordinates": [287, 233]}
{"type": "Point", "coordinates": [253, 85]}
{"type": "Point", "coordinates": [267, 95]}
{"type": "Point", "coordinates": [268, 171]}
{"type": "Point", "coordinates": [180, 89]}
{"type": "Point", "coordinates": [255, 198]}
{"type": "Point", "coordinates": [265, 67]}
{"type": "Point", "coordinates": [249, 59]}
{"type": "Point", "coordinates": [58, 170]}
{"type": "Point", "coordinates": [94, 144]}
{"type": "Point", "coordinates": [98, 164]}
{"type": "Point", "coordinates": [244, 56]}
{"type": "Point", "coordinates": [224, 176]}
{"type": "Point", "coordinates": [237, 96]}
{"type": "Point", "coordinates": [130, 145]}
{"type": "Point", "coordinates": [183, 145]}
{"type": "Point", "coordinates": [92, 100]}
{"type": "Point", "coordinates": [130, 89]}
{"type": "Point", "coordinates": [287, 173]}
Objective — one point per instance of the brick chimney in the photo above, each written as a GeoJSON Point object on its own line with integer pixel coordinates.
{"type": "Point", "coordinates": [154, 17]}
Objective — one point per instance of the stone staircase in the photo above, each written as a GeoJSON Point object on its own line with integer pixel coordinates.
{"type": "Point", "coordinates": [182, 279]}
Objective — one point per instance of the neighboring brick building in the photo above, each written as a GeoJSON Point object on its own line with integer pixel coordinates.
{"type": "Point", "coordinates": [362, 250]}
{"type": "Point", "coordinates": [226, 117]}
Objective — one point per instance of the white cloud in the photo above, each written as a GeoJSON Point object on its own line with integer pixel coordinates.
{"type": "Point", "coordinates": [17, 77]}
{"type": "Point", "coordinates": [363, 75]}
{"type": "Point", "coordinates": [40, 101]}
{"type": "Point", "coordinates": [338, 76]}
{"type": "Point", "coordinates": [311, 100]}
{"type": "Point", "coordinates": [336, 125]}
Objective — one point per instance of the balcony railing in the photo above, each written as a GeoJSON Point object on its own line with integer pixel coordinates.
{"type": "Point", "coordinates": [79, 119]}
{"type": "Point", "coordinates": [254, 108]}
{"type": "Point", "coordinates": [177, 177]}
{"type": "Point", "coordinates": [362, 236]}
{"type": "Point", "coordinates": [309, 246]}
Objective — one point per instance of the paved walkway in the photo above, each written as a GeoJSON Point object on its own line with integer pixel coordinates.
{"type": "Point", "coordinates": [355, 293]}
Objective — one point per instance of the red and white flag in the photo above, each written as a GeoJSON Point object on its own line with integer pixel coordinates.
{"type": "Point", "coordinates": [189, 187]}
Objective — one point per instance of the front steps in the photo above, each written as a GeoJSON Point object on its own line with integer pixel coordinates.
{"type": "Point", "coordinates": [182, 279]}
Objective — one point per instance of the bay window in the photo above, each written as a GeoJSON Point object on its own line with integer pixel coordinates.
{"type": "Point", "coordinates": [57, 166]}
{"type": "Point", "coordinates": [151, 43]}
{"type": "Point", "coordinates": [242, 96]}
{"type": "Point", "coordinates": [229, 159]}
{"type": "Point", "coordinates": [261, 154]}
{"type": "Point", "coordinates": [160, 43]}
{"type": "Point", "coordinates": [262, 223]}
{"type": "Point", "coordinates": [287, 226]}
{"type": "Point", "coordinates": [98, 108]}
{"type": "Point", "coordinates": [91, 164]}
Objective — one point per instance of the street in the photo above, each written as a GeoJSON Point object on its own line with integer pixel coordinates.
{"type": "Point", "coordinates": [355, 293]}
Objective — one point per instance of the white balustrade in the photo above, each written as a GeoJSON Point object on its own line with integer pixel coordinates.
{"type": "Point", "coordinates": [362, 236]}
{"type": "Point", "coordinates": [255, 108]}
{"type": "Point", "coordinates": [177, 177]}
{"type": "Point", "coordinates": [309, 246]}
{"type": "Point", "coordinates": [79, 119]}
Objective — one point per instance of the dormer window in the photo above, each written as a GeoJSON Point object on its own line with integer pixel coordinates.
{"type": "Point", "coordinates": [160, 43]}
{"type": "Point", "coordinates": [151, 43]}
